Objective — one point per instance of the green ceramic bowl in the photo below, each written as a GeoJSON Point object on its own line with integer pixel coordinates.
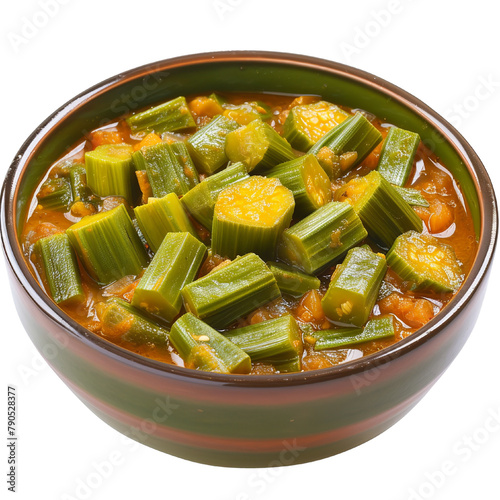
{"type": "Point", "coordinates": [245, 421]}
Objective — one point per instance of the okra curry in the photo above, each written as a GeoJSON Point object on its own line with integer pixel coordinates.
{"type": "Point", "coordinates": [250, 233]}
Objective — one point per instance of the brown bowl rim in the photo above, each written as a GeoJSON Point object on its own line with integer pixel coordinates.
{"type": "Point", "coordinates": [479, 175]}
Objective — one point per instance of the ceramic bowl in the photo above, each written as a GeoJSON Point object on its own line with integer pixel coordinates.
{"type": "Point", "coordinates": [245, 421]}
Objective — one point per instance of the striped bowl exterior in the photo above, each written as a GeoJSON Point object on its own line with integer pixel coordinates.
{"type": "Point", "coordinates": [245, 421]}
{"type": "Point", "coordinates": [220, 423]}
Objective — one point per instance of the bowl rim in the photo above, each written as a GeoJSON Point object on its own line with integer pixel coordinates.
{"type": "Point", "coordinates": [477, 171]}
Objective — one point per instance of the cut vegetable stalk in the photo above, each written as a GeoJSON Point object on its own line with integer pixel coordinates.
{"type": "Point", "coordinates": [144, 242]}
{"type": "Point", "coordinates": [247, 112]}
{"type": "Point", "coordinates": [169, 168]}
{"type": "Point", "coordinates": [307, 181]}
{"type": "Point", "coordinates": [292, 281]}
{"type": "Point", "coordinates": [250, 216]}
{"type": "Point", "coordinates": [78, 180]}
{"type": "Point", "coordinates": [425, 262]}
{"type": "Point", "coordinates": [207, 145]}
{"type": "Point", "coordinates": [307, 124]}
{"type": "Point", "coordinates": [198, 344]}
{"type": "Point", "coordinates": [108, 245]}
{"type": "Point", "coordinates": [200, 201]}
{"type": "Point", "coordinates": [258, 146]}
{"type": "Point", "coordinates": [161, 216]}
{"type": "Point", "coordinates": [383, 211]}
{"type": "Point", "coordinates": [60, 268]}
{"type": "Point", "coordinates": [84, 202]}
{"type": "Point", "coordinates": [397, 154]}
{"type": "Point", "coordinates": [167, 117]}
{"type": "Point", "coordinates": [319, 239]}
{"type": "Point", "coordinates": [354, 287]}
{"type": "Point", "coordinates": [181, 153]}
{"type": "Point", "coordinates": [376, 329]}
{"type": "Point", "coordinates": [110, 171]}
{"type": "Point", "coordinates": [412, 196]}
{"type": "Point", "coordinates": [204, 358]}
{"type": "Point", "coordinates": [276, 341]}
{"type": "Point", "coordinates": [333, 165]}
{"type": "Point", "coordinates": [55, 194]}
{"type": "Point", "coordinates": [354, 135]}
{"type": "Point", "coordinates": [174, 265]}
{"type": "Point", "coordinates": [232, 291]}
{"type": "Point", "coordinates": [120, 320]}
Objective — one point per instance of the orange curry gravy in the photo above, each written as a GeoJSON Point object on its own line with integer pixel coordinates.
{"type": "Point", "coordinates": [447, 218]}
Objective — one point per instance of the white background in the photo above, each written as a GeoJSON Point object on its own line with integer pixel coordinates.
{"type": "Point", "coordinates": [442, 52]}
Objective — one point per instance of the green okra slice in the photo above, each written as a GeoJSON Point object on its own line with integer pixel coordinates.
{"type": "Point", "coordinates": [412, 196]}
{"type": "Point", "coordinates": [108, 245]}
{"type": "Point", "coordinates": [161, 216]}
{"type": "Point", "coordinates": [55, 194]}
{"type": "Point", "coordinates": [308, 123]}
{"type": "Point", "coordinates": [60, 269]}
{"type": "Point", "coordinates": [276, 341]}
{"type": "Point", "coordinates": [78, 181]}
{"type": "Point", "coordinates": [110, 171]}
{"type": "Point", "coordinates": [181, 153]}
{"type": "Point", "coordinates": [319, 239]}
{"type": "Point", "coordinates": [207, 145]}
{"type": "Point", "coordinates": [250, 216]}
{"type": "Point", "coordinates": [258, 146]}
{"type": "Point", "coordinates": [307, 181]}
{"type": "Point", "coordinates": [204, 358]}
{"type": "Point", "coordinates": [292, 281]}
{"type": "Point", "coordinates": [167, 117]}
{"type": "Point", "coordinates": [397, 154]}
{"type": "Point", "coordinates": [202, 347]}
{"type": "Point", "coordinates": [169, 168]}
{"type": "Point", "coordinates": [232, 291]}
{"type": "Point", "coordinates": [144, 241]}
{"type": "Point", "coordinates": [376, 329]}
{"type": "Point", "coordinates": [200, 201]}
{"type": "Point", "coordinates": [355, 136]}
{"type": "Point", "coordinates": [354, 287]}
{"type": "Point", "coordinates": [334, 165]}
{"type": "Point", "coordinates": [383, 211]}
{"type": "Point", "coordinates": [425, 262]}
{"type": "Point", "coordinates": [247, 112]}
{"type": "Point", "coordinates": [174, 265]}
{"type": "Point", "coordinates": [121, 320]}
